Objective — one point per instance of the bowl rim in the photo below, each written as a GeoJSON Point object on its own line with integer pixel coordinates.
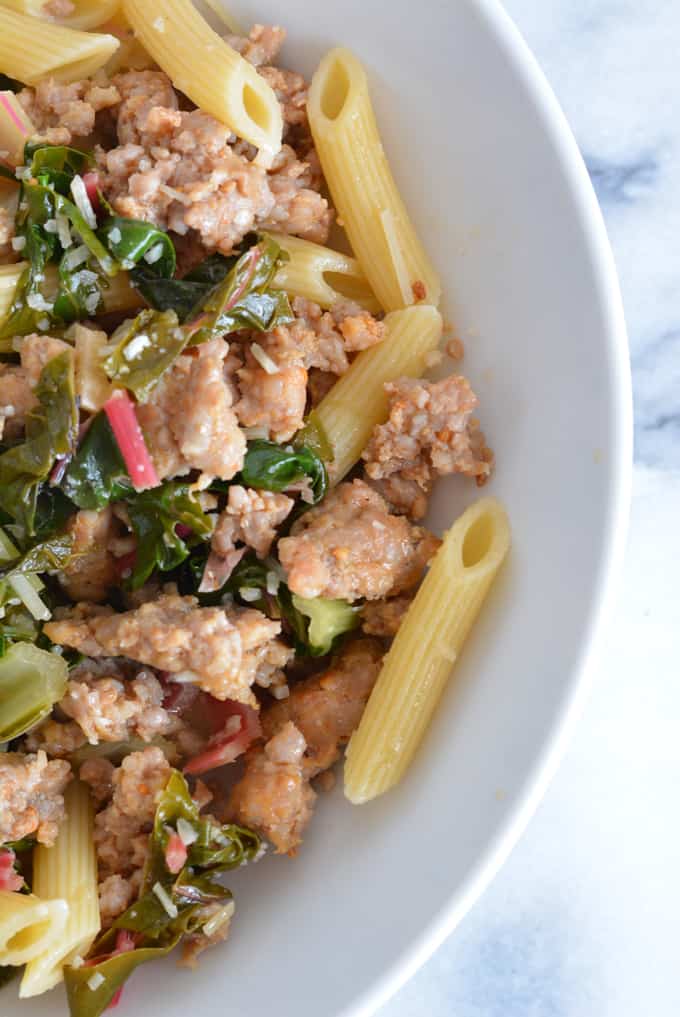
{"type": "Point", "coordinates": [500, 24]}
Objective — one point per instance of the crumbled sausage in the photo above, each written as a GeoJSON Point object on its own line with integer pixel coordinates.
{"type": "Point", "coordinates": [121, 830]}
{"type": "Point", "coordinates": [429, 432]}
{"type": "Point", "coordinates": [98, 773]}
{"type": "Point", "coordinates": [383, 617]}
{"type": "Point", "coordinates": [304, 734]}
{"type": "Point", "coordinates": [181, 170]}
{"type": "Point", "coordinates": [327, 708]}
{"type": "Point", "coordinates": [31, 796]}
{"type": "Point", "coordinates": [273, 796]}
{"type": "Point", "coordinates": [61, 112]}
{"type": "Point", "coordinates": [250, 517]}
{"type": "Point", "coordinates": [351, 547]}
{"type": "Point", "coordinates": [188, 420]}
{"type": "Point", "coordinates": [220, 653]}
{"type": "Point", "coordinates": [260, 46]}
{"type": "Point", "coordinates": [110, 709]}
{"type": "Point", "coordinates": [275, 402]}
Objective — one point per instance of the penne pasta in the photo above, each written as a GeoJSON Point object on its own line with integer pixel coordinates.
{"type": "Point", "coordinates": [362, 186]}
{"type": "Point", "coordinates": [66, 871]}
{"type": "Point", "coordinates": [212, 74]}
{"type": "Point", "coordinates": [31, 49]}
{"type": "Point", "coordinates": [425, 649]}
{"type": "Point", "coordinates": [29, 926]}
{"type": "Point", "coordinates": [322, 275]}
{"type": "Point", "coordinates": [357, 402]}
{"type": "Point", "coordinates": [87, 14]}
{"type": "Point", "coordinates": [16, 128]}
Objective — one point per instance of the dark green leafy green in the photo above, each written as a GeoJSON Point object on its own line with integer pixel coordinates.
{"type": "Point", "coordinates": [56, 165]}
{"type": "Point", "coordinates": [51, 431]}
{"type": "Point", "coordinates": [170, 904]}
{"type": "Point", "coordinates": [182, 295]}
{"type": "Point", "coordinates": [245, 298]}
{"type": "Point", "coordinates": [45, 207]}
{"type": "Point", "coordinates": [49, 556]}
{"type": "Point", "coordinates": [131, 241]}
{"type": "Point", "coordinates": [144, 350]}
{"type": "Point", "coordinates": [52, 513]}
{"type": "Point", "coordinates": [276, 467]}
{"type": "Point", "coordinates": [97, 474]}
{"type": "Point", "coordinates": [155, 516]}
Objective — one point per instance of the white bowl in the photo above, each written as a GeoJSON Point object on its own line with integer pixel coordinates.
{"type": "Point", "coordinates": [503, 202]}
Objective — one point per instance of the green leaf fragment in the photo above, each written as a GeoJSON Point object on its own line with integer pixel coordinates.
{"type": "Point", "coordinates": [31, 682]}
{"type": "Point", "coordinates": [51, 431]}
{"type": "Point", "coordinates": [144, 349]}
{"type": "Point", "coordinates": [97, 474]}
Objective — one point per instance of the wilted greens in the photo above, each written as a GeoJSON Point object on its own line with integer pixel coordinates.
{"type": "Point", "coordinates": [170, 903]}
{"type": "Point", "coordinates": [31, 682]}
{"type": "Point", "coordinates": [277, 467]}
{"type": "Point", "coordinates": [97, 474]}
{"type": "Point", "coordinates": [156, 516]}
{"type": "Point", "coordinates": [51, 432]}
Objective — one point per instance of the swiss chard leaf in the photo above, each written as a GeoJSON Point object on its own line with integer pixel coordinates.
{"type": "Point", "coordinates": [245, 298]}
{"type": "Point", "coordinates": [31, 682]}
{"type": "Point", "coordinates": [56, 165]}
{"type": "Point", "coordinates": [80, 291]}
{"type": "Point", "coordinates": [51, 431]}
{"type": "Point", "coordinates": [276, 467]}
{"type": "Point", "coordinates": [182, 295]}
{"type": "Point", "coordinates": [52, 512]}
{"type": "Point", "coordinates": [131, 241]}
{"type": "Point", "coordinates": [97, 474]}
{"type": "Point", "coordinates": [144, 349]}
{"type": "Point", "coordinates": [152, 929]}
{"type": "Point", "coordinates": [155, 516]}
{"type": "Point", "coordinates": [49, 556]}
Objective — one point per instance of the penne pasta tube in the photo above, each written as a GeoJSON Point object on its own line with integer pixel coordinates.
{"type": "Point", "coordinates": [66, 871]}
{"type": "Point", "coordinates": [322, 275]}
{"type": "Point", "coordinates": [16, 127]}
{"type": "Point", "coordinates": [425, 649]}
{"type": "Point", "coordinates": [28, 926]}
{"type": "Point", "coordinates": [362, 186]}
{"type": "Point", "coordinates": [31, 49]}
{"type": "Point", "coordinates": [212, 74]}
{"type": "Point", "coordinates": [87, 14]}
{"type": "Point", "coordinates": [357, 402]}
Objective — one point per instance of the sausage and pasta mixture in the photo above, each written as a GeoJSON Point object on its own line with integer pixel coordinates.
{"type": "Point", "coordinates": [194, 606]}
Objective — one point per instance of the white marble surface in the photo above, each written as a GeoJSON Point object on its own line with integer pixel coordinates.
{"type": "Point", "coordinates": [583, 920]}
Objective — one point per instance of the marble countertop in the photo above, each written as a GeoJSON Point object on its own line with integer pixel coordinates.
{"type": "Point", "coordinates": [583, 919]}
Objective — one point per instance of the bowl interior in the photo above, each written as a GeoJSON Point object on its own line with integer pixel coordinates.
{"type": "Point", "coordinates": [502, 206]}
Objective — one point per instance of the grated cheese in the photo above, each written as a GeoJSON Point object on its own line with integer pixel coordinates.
{"type": "Point", "coordinates": [165, 900]}
{"type": "Point", "coordinates": [95, 980]}
{"type": "Point", "coordinates": [263, 359]}
{"type": "Point", "coordinates": [187, 833]}
{"type": "Point", "coordinates": [83, 203]}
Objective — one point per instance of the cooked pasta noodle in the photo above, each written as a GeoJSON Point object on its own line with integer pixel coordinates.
{"type": "Point", "coordinates": [31, 49]}
{"type": "Point", "coordinates": [66, 871]}
{"type": "Point", "coordinates": [322, 275]}
{"type": "Point", "coordinates": [87, 14]}
{"type": "Point", "coordinates": [362, 186]}
{"type": "Point", "coordinates": [425, 649]}
{"type": "Point", "coordinates": [210, 72]}
{"type": "Point", "coordinates": [28, 926]}
{"type": "Point", "coordinates": [16, 128]}
{"type": "Point", "coordinates": [357, 402]}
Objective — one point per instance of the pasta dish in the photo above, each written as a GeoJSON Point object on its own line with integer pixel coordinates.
{"type": "Point", "coordinates": [219, 434]}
